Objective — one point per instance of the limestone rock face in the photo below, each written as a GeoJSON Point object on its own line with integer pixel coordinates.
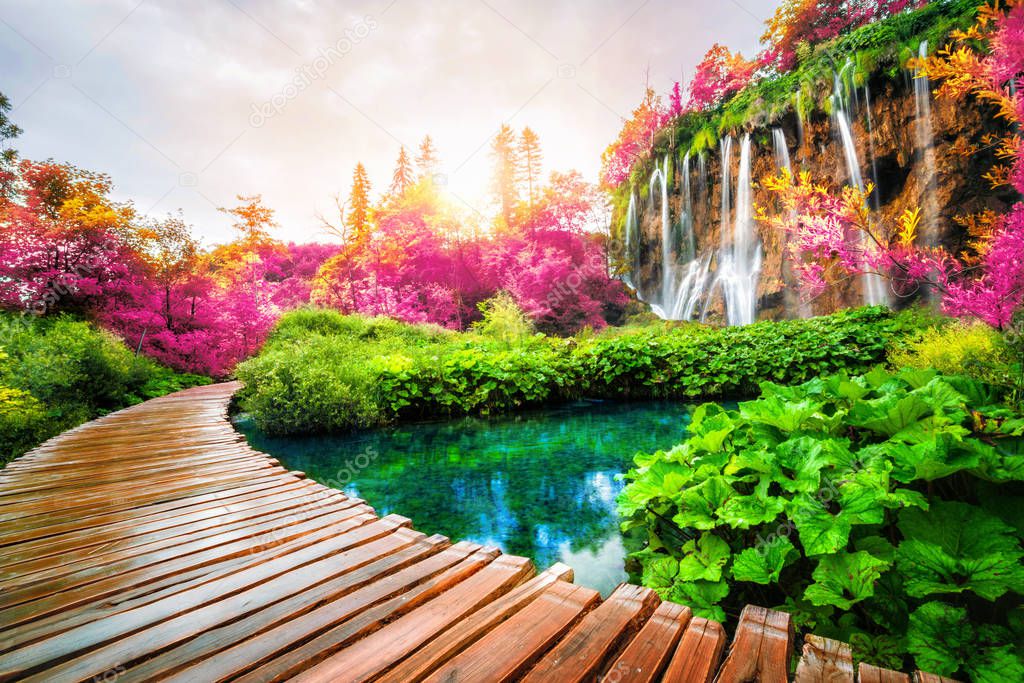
{"type": "Point", "coordinates": [908, 166]}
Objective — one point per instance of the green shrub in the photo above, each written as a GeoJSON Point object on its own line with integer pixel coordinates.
{"type": "Point", "coordinates": [503, 319]}
{"type": "Point", "coordinates": [56, 373]}
{"type": "Point", "coordinates": [972, 349]}
{"type": "Point", "coordinates": [883, 510]}
{"type": "Point", "coordinates": [312, 378]}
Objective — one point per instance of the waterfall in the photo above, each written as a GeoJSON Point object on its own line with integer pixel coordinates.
{"type": "Point", "coordinates": [876, 196]}
{"type": "Point", "coordinates": [633, 243]}
{"type": "Point", "coordinates": [660, 178]}
{"type": "Point", "coordinates": [926, 170]}
{"type": "Point", "coordinates": [739, 264]}
{"type": "Point", "coordinates": [782, 161]}
{"type": "Point", "coordinates": [726, 148]}
{"type": "Point", "coordinates": [683, 275]}
{"type": "Point", "coordinates": [874, 286]}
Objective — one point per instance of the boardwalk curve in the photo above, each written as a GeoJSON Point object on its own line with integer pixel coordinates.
{"type": "Point", "coordinates": [155, 544]}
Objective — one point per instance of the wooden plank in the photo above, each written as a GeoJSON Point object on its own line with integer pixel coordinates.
{"type": "Point", "coordinates": [584, 654]}
{"type": "Point", "coordinates": [366, 659]}
{"type": "Point", "coordinates": [925, 677]}
{"type": "Point", "coordinates": [698, 654]}
{"type": "Point", "coordinates": [21, 604]}
{"type": "Point", "coordinates": [284, 652]}
{"type": "Point", "coordinates": [11, 537]}
{"type": "Point", "coordinates": [761, 649]}
{"type": "Point", "coordinates": [115, 494]}
{"type": "Point", "coordinates": [423, 560]}
{"type": "Point", "coordinates": [129, 636]}
{"type": "Point", "coordinates": [824, 659]}
{"type": "Point", "coordinates": [156, 589]}
{"type": "Point", "coordinates": [446, 645]}
{"type": "Point", "coordinates": [84, 541]}
{"type": "Point", "coordinates": [509, 650]}
{"type": "Point", "coordinates": [294, 507]}
{"type": "Point", "coordinates": [313, 531]}
{"type": "Point", "coordinates": [867, 673]}
{"type": "Point", "coordinates": [79, 517]}
{"type": "Point", "coordinates": [647, 655]}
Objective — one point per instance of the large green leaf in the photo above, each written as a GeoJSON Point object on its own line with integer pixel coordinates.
{"type": "Point", "coordinates": [956, 547]}
{"type": "Point", "coordinates": [660, 480]}
{"type": "Point", "coordinates": [845, 579]}
{"type": "Point", "coordinates": [660, 573]}
{"type": "Point", "coordinates": [890, 414]}
{"type": "Point", "coordinates": [821, 533]}
{"type": "Point", "coordinates": [787, 416]}
{"type": "Point", "coordinates": [764, 563]}
{"type": "Point", "coordinates": [702, 597]}
{"type": "Point", "coordinates": [698, 504]}
{"type": "Point", "coordinates": [799, 462]}
{"type": "Point", "coordinates": [941, 455]}
{"type": "Point", "coordinates": [940, 637]}
{"type": "Point", "coordinates": [743, 512]}
{"type": "Point", "coordinates": [704, 558]}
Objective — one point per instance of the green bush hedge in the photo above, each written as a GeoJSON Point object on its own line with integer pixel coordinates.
{"type": "Point", "coordinates": [322, 371]}
{"type": "Point", "coordinates": [882, 510]}
{"type": "Point", "coordinates": [56, 373]}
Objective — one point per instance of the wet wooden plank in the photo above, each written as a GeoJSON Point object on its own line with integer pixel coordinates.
{"type": "Point", "coordinates": [51, 530]}
{"type": "Point", "coordinates": [141, 531]}
{"type": "Point", "coordinates": [287, 664]}
{"type": "Point", "coordinates": [368, 658]}
{"type": "Point", "coordinates": [423, 559]}
{"type": "Point", "coordinates": [512, 648]}
{"type": "Point", "coordinates": [37, 600]}
{"type": "Point", "coordinates": [925, 677]}
{"type": "Point", "coordinates": [823, 659]}
{"type": "Point", "coordinates": [761, 649]}
{"type": "Point", "coordinates": [294, 507]}
{"type": "Point", "coordinates": [648, 654]}
{"type": "Point", "coordinates": [586, 651]}
{"type": "Point", "coordinates": [867, 673]}
{"type": "Point", "coordinates": [131, 635]}
{"type": "Point", "coordinates": [446, 645]}
{"type": "Point", "coordinates": [699, 651]}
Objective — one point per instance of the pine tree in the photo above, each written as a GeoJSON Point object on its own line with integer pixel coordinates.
{"type": "Point", "coordinates": [402, 179]}
{"type": "Point", "coordinates": [427, 162]}
{"type": "Point", "coordinates": [358, 219]}
{"type": "Point", "coordinates": [530, 158]}
{"type": "Point", "coordinates": [505, 154]}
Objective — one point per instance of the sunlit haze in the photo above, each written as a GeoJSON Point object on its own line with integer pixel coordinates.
{"type": "Point", "coordinates": [186, 104]}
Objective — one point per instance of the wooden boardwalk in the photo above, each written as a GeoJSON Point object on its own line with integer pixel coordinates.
{"type": "Point", "coordinates": [154, 544]}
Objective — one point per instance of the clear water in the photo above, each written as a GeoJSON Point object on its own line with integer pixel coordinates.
{"type": "Point", "coordinates": [541, 484]}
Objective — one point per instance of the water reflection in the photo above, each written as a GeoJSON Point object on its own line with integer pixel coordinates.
{"type": "Point", "coordinates": [540, 484]}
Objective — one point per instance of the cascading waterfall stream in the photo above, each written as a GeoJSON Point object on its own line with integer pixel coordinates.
{"type": "Point", "coordinates": [875, 291]}
{"type": "Point", "coordinates": [633, 244]}
{"type": "Point", "coordinates": [926, 170]}
{"type": "Point", "coordinates": [781, 147]}
{"type": "Point", "coordinates": [661, 177]}
{"type": "Point", "coordinates": [740, 264]}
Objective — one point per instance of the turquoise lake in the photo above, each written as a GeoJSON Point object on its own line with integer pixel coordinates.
{"type": "Point", "coordinates": [541, 484]}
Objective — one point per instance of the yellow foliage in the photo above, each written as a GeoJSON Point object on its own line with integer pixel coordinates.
{"type": "Point", "coordinates": [906, 226]}
{"type": "Point", "coordinates": [17, 401]}
{"type": "Point", "coordinates": [959, 348]}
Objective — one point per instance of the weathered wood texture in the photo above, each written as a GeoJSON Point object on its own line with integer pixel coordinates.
{"type": "Point", "coordinates": [154, 544]}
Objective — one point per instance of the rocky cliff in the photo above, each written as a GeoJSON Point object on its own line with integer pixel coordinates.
{"type": "Point", "coordinates": [914, 148]}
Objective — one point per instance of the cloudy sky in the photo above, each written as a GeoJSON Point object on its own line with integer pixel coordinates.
{"type": "Point", "coordinates": [186, 103]}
